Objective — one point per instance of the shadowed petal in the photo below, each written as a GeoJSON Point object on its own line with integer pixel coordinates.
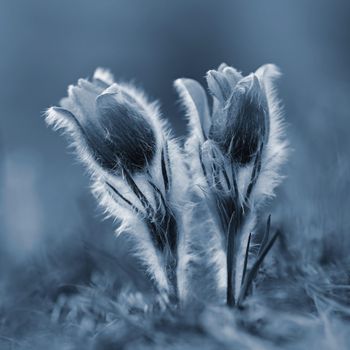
{"type": "Point", "coordinates": [247, 121]}
{"type": "Point", "coordinates": [126, 133]}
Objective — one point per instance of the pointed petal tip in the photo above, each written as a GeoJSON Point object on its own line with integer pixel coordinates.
{"type": "Point", "coordinates": [108, 96]}
{"type": "Point", "coordinates": [213, 72]}
{"type": "Point", "coordinates": [60, 118]}
{"type": "Point", "coordinates": [210, 73]}
{"type": "Point", "coordinates": [70, 90]}
{"type": "Point", "coordinates": [86, 84]}
{"type": "Point", "coordinates": [53, 111]}
{"type": "Point", "coordinates": [180, 84]}
{"type": "Point", "coordinates": [75, 92]}
{"type": "Point", "coordinates": [222, 66]}
{"type": "Point", "coordinates": [230, 69]}
{"type": "Point", "coordinates": [179, 81]}
{"type": "Point", "coordinates": [104, 75]}
{"type": "Point", "coordinates": [215, 77]}
{"type": "Point", "coordinates": [252, 87]}
{"type": "Point", "coordinates": [83, 82]}
{"type": "Point", "coordinates": [186, 82]}
{"type": "Point", "coordinates": [218, 85]}
{"type": "Point", "coordinates": [269, 71]}
{"type": "Point", "coordinates": [232, 72]}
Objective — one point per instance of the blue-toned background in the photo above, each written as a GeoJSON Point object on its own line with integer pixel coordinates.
{"type": "Point", "coordinates": [46, 45]}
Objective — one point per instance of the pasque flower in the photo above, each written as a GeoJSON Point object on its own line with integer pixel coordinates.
{"type": "Point", "coordinates": [239, 119]}
{"type": "Point", "coordinates": [240, 113]}
{"type": "Point", "coordinates": [233, 152]}
{"type": "Point", "coordinates": [114, 127]}
{"type": "Point", "coordinates": [130, 153]}
{"type": "Point", "coordinates": [236, 148]}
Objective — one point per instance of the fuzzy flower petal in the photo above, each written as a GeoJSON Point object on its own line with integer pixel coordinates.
{"type": "Point", "coordinates": [115, 130]}
{"type": "Point", "coordinates": [195, 101]}
{"type": "Point", "coordinates": [247, 121]}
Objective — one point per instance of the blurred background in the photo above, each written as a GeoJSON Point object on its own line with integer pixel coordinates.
{"type": "Point", "coordinates": [45, 46]}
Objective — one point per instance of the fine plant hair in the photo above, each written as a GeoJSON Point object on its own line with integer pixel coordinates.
{"type": "Point", "coordinates": [185, 207]}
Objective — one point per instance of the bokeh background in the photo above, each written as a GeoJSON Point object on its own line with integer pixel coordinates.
{"type": "Point", "coordinates": [46, 45]}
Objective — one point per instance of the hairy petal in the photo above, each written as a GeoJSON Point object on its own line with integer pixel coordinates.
{"type": "Point", "coordinates": [137, 168]}
{"type": "Point", "coordinates": [277, 148]}
{"type": "Point", "coordinates": [232, 76]}
{"type": "Point", "coordinates": [127, 135]}
{"type": "Point", "coordinates": [222, 82]}
{"type": "Point", "coordinates": [247, 121]}
{"type": "Point", "coordinates": [103, 76]}
{"type": "Point", "coordinates": [218, 85]}
{"type": "Point", "coordinates": [195, 101]}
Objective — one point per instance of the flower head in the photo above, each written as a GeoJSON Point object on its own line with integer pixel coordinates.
{"type": "Point", "coordinates": [113, 125]}
{"type": "Point", "coordinates": [240, 113]}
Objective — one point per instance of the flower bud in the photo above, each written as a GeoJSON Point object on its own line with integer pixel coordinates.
{"type": "Point", "coordinates": [245, 124]}
{"type": "Point", "coordinates": [109, 124]}
{"type": "Point", "coordinates": [128, 136]}
{"type": "Point", "coordinates": [222, 82]}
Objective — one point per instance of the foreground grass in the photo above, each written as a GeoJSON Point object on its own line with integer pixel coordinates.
{"type": "Point", "coordinates": [85, 297]}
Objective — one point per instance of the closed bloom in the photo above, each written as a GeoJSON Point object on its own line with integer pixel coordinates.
{"type": "Point", "coordinates": [240, 113]}
{"type": "Point", "coordinates": [239, 120]}
{"type": "Point", "coordinates": [130, 153]}
{"type": "Point", "coordinates": [112, 124]}
{"type": "Point", "coordinates": [236, 150]}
